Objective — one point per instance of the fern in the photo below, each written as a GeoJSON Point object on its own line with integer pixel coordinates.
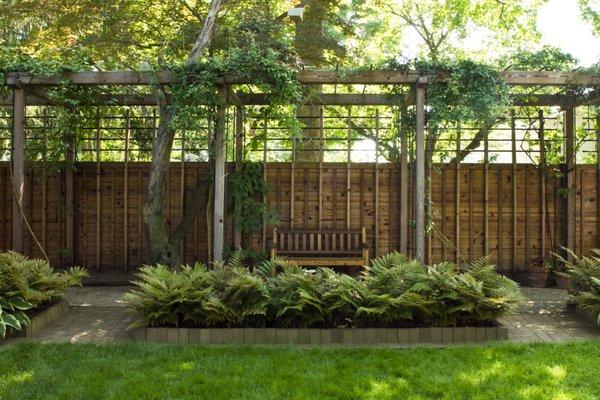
{"type": "Point", "coordinates": [35, 280]}
{"type": "Point", "coordinates": [585, 275]}
{"type": "Point", "coordinates": [396, 291]}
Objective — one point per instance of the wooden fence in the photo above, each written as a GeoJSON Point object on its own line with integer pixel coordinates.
{"type": "Point", "coordinates": [519, 223]}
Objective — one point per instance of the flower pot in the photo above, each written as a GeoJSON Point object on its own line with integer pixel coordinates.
{"type": "Point", "coordinates": [563, 282]}
{"type": "Point", "coordinates": [539, 279]}
{"type": "Point", "coordinates": [533, 278]}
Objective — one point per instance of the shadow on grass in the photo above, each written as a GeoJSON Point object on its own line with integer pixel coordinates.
{"type": "Point", "coordinates": [146, 371]}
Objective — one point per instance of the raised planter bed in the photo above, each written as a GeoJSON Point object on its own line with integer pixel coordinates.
{"type": "Point", "coordinates": [41, 320]}
{"type": "Point", "coordinates": [322, 337]}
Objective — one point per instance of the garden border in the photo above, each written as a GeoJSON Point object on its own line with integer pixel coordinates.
{"type": "Point", "coordinates": [356, 337]}
{"type": "Point", "coordinates": [41, 320]}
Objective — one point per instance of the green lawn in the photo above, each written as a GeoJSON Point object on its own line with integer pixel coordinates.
{"type": "Point", "coordinates": [147, 371]}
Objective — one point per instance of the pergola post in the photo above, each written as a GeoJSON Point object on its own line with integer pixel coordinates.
{"type": "Point", "coordinates": [403, 184]}
{"type": "Point", "coordinates": [18, 167]}
{"type": "Point", "coordinates": [420, 170]}
{"type": "Point", "coordinates": [239, 150]}
{"type": "Point", "coordinates": [219, 194]}
{"type": "Point", "coordinates": [70, 199]}
{"type": "Point", "coordinates": [569, 211]}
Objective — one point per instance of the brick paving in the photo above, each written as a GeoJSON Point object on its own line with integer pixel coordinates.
{"type": "Point", "coordinates": [98, 315]}
{"type": "Point", "coordinates": [543, 319]}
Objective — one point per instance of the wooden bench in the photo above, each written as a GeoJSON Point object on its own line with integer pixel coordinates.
{"type": "Point", "coordinates": [321, 248]}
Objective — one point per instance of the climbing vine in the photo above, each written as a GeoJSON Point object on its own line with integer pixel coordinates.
{"type": "Point", "coordinates": [459, 93]}
{"type": "Point", "coordinates": [247, 186]}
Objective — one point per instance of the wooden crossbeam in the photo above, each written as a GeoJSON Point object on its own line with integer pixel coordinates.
{"type": "Point", "coordinates": [338, 99]}
{"type": "Point", "coordinates": [314, 77]}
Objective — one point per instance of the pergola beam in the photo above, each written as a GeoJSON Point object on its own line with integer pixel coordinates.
{"type": "Point", "coordinates": [314, 77]}
{"type": "Point", "coordinates": [337, 99]}
{"type": "Point", "coordinates": [331, 99]}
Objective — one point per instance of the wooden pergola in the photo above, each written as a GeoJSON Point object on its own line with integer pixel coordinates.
{"type": "Point", "coordinates": [28, 90]}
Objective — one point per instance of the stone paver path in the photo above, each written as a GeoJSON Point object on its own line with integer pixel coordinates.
{"type": "Point", "coordinates": [543, 319]}
{"type": "Point", "coordinates": [98, 315]}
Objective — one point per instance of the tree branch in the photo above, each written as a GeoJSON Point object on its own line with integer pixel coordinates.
{"type": "Point", "coordinates": [475, 142]}
{"type": "Point", "coordinates": [208, 30]}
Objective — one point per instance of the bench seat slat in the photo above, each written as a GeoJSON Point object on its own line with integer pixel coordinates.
{"type": "Point", "coordinates": [311, 247]}
{"type": "Point", "coordinates": [284, 252]}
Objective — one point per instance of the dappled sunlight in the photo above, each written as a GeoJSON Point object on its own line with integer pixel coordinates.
{"type": "Point", "coordinates": [381, 389]}
{"type": "Point", "coordinates": [490, 371]}
{"type": "Point", "coordinates": [16, 378]}
{"type": "Point", "coordinates": [564, 396]}
{"type": "Point", "coordinates": [79, 337]}
{"type": "Point", "coordinates": [557, 372]}
{"type": "Point", "coordinates": [186, 366]}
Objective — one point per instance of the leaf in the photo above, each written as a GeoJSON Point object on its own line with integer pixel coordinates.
{"type": "Point", "coordinates": [20, 304]}
{"type": "Point", "coordinates": [10, 320]}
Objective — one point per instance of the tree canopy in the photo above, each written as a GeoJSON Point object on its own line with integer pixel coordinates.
{"type": "Point", "coordinates": [128, 33]}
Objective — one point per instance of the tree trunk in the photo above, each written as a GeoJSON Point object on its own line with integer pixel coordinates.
{"type": "Point", "coordinates": [308, 147]}
{"type": "Point", "coordinates": [152, 211]}
{"type": "Point", "coordinates": [164, 248]}
{"type": "Point", "coordinates": [310, 50]}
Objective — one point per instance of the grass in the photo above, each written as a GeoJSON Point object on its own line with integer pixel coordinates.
{"type": "Point", "coordinates": [147, 371]}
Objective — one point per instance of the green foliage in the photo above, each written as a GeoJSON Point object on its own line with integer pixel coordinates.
{"type": "Point", "coordinates": [35, 281]}
{"type": "Point", "coordinates": [473, 93]}
{"type": "Point", "coordinates": [295, 297]}
{"type": "Point", "coordinates": [237, 296]}
{"type": "Point", "coordinates": [395, 291]}
{"type": "Point", "coordinates": [437, 295]}
{"type": "Point", "coordinates": [584, 272]}
{"type": "Point", "coordinates": [590, 10]}
{"type": "Point", "coordinates": [547, 59]}
{"type": "Point", "coordinates": [257, 52]}
{"type": "Point", "coordinates": [227, 294]}
{"type": "Point", "coordinates": [12, 314]}
{"type": "Point", "coordinates": [247, 186]}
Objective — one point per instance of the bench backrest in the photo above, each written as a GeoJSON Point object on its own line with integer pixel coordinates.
{"type": "Point", "coordinates": [311, 242]}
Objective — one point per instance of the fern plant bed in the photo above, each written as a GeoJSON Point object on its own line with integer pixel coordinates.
{"type": "Point", "coordinates": [323, 337]}
{"type": "Point", "coordinates": [41, 319]}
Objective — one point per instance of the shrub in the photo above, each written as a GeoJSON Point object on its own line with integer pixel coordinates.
{"type": "Point", "coordinates": [34, 281]}
{"type": "Point", "coordinates": [394, 291]}
{"type": "Point", "coordinates": [166, 297]}
{"type": "Point", "coordinates": [237, 296]}
{"type": "Point", "coordinates": [585, 278]}
{"type": "Point", "coordinates": [229, 294]}
{"type": "Point", "coordinates": [295, 297]}
{"type": "Point", "coordinates": [401, 290]}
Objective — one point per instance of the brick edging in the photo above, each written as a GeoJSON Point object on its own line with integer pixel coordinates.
{"type": "Point", "coordinates": [322, 337]}
{"type": "Point", "coordinates": [44, 318]}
